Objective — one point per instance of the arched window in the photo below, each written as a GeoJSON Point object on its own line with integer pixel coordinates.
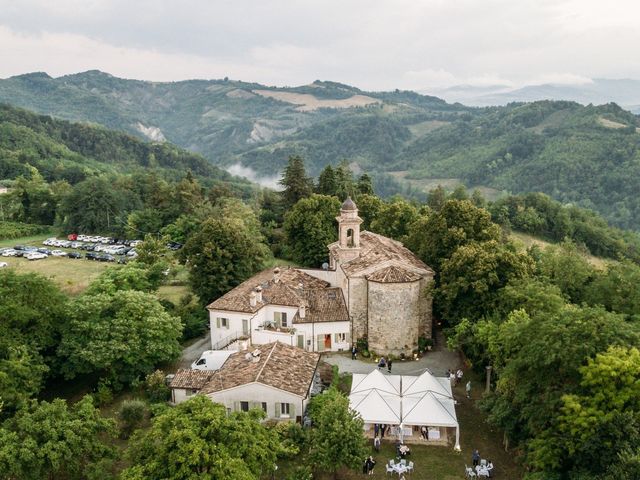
{"type": "Point", "coordinates": [350, 238]}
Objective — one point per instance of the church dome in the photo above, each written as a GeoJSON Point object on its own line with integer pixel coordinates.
{"type": "Point", "coordinates": [348, 205]}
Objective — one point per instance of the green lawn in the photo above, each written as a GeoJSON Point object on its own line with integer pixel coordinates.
{"type": "Point", "coordinates": [72, 276]}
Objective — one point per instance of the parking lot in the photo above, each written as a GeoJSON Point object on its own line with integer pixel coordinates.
{"type": "Point", "coordinates": [96, 248]}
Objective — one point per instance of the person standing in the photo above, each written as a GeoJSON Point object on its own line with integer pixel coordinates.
{"type": "Point", "coordinates": [383, 428]}
{"type": "Point", "coordinates": [459, 375]}
{"type": "Point", "coordinates": [376, 444]}
{"type": "Point", "coordinates": [354, 352]}
{"type": "Point", "coordinates": [382, 363]}
{"type": "Point", "coordinates": [468, 389]}
{"type": "Point", "coordinates": [475, 457]}
{"type": "Point", "coordinates": [370, 464]}
{"type": "Point", "coordinates": [389, 362]}
{"type": "Point", "coordinates": [376, 429]}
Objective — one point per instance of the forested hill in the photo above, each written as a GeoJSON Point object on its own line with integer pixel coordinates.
{"type": "Point", "coordinates": [63, 150]}
{"type": "Point", "coordinates": [586, 155]}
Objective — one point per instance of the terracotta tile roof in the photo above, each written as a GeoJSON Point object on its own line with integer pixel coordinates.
{"type": "Point", "coordinates": [279, 365]}
{"type": "Point", "coordinates": [393, 274]}
{"type": "Point", "coordinates": [376, 249]}
{"type": "Point", "coordinates": [324, 305]}
{"type": "Point", "coordinates": [284, 288]}
{"type": "Point", "coordinates": [195, 379]}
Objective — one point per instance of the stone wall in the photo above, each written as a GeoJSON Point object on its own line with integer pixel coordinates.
{"type": "Point", "coordinates": [357, 305]}
{"type": "Point", "coordinates": [394, 317]}
{"type": "Point", "coordinates": [426, 310]}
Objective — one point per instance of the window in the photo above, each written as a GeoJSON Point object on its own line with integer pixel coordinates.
{"type": "Point", "coordinates": [222, 322]}
{"type": "Point", "coordinates": [264, 407]}
{"type": "Point", "coordinates": [190, 392]}
{"type": "Point", "coordinates": [284, 409]}
{"type": "Point", "coordinates": [245, 326]}
{"type": "Point", "coordinates": [341, 338]}
{"type": "Point", "coordinates": [280, 319]}
{"type": "Point", "coordinates": [244, 406]}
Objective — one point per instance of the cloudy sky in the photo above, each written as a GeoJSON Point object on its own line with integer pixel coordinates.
{"type": "Point", "coordinates": [373, 44]}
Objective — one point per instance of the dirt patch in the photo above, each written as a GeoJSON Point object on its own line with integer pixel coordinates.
{"type": "Point", "coordinates": [238, 93]}
{"type": "Point", "coordinates": [307, 102]}
{"type": "Point", "coordinates": [605, 122]}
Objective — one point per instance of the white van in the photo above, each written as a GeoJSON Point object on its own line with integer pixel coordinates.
{"type": "Point", "coordinates": [211, 359]}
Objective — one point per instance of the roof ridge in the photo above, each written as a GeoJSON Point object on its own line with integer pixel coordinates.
{"type": "Point", "coordinates": [266, 361]}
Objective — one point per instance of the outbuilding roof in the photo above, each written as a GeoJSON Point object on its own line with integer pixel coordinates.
{"type": "Point", "coordinates": [275, 364]}
{"type": "Point", "coordinates": [194, 379]}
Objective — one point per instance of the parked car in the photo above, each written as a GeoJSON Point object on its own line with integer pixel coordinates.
{"type": "Point", "coordinates": [46, 251]}
{"type": "Point", "coordinates": [9, 252]}
{"type": "Point", "coordinates": [59, 253]}
{"type": "Point", "coordinates": [105, 257]}
{"type": "Point", "coordinates": [3, 264]}
{"type": "Point", "coordinates": [75, 244]}
{"type": "Point", "coordinates": [74, 255]}
{"type": "Point", "coordinates": [91, 256]}
{"type": "Point", "coordinates": [35, 256]}
{"type": "Point", "coordinates": [49, 241]}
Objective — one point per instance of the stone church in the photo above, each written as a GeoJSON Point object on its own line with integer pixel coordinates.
{"type": "Point", "coordinates": [373, 287]}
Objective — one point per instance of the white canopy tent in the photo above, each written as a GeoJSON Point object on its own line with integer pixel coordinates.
{"type": "Point", "coordinates": [404, 400]}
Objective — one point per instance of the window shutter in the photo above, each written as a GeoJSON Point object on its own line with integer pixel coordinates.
{"type": "Point", "coordinates": [348, 336]}
{"type": "Point", "coordinates": [292, 410]}
{"type": "Point", "coordinates": [335, 338]}
{"type": "Point", "coordinates": [217, 322]}
{"type": "Point", "coordinates": [228, 322]}
{"type": "Point", "coordinates": [277, 407]}
{"type": "Point", "coordinates": [236, 406]}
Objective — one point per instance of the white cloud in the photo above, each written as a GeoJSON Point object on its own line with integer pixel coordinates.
{"type": "Point", "coordinates": [250, 174]}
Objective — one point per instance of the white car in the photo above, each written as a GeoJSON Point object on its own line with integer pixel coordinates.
{"type": "Point", "coordinates": [58, 253]}
{"type": "Point", "coordinates": [3, 264]}
{"type": "Point", "coordinates": [10, 252]}
{"type": "Point", "coordinates": [35, 256]}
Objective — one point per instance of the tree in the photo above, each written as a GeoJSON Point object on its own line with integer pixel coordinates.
{"type": "Point", "coordinates": [565, 266]}
{"type": "Point", "coordinates": [459, 222]}
{"type": "Point", "coordinates": [310, 226]}
{"type": "Point", "coordinates": [197, 439]}
{"type": "Point", "coordinates": [222, 254]}
{"type": "Point", "coordinates": [538, 360]}
{"type": "Point", "coordinates": [617, 289]}
{"type": "Point", "coordinates": [32, 313]}
{"type": "Point", "coordinates": [53, 440]}
{"type": "Point", "coordinates": [327, 182]}
{"type": "Point", "coordinates": [395, 219]}
{"type": "Point", "coordinates": [436, 198]}
{"type": "Point", "coordinates": [132, 276]}
{"type": "Point", "coordinates": [365, 185]}
{"type": "Point", "coordinates": [337, 439]}
{"type": "Point", "coordinates": [295, 181]}
{"type": "Point", "coordinates": [472, 278]}
{"type": "Point", "coordinates": [118, 336]}
{"type": "Point", "coordinates": [601, 420]}
{"type": "Point", "coordinates": [344, 181]}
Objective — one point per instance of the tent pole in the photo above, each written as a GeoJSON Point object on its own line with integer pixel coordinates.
{"type": "Point", "coordinates": [457, 447]}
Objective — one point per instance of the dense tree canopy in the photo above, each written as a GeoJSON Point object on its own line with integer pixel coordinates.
{"type": "Point", "coordinates": [336, 440]}
{"type": "Point", "coordinates": [197, 439]}
{"type": "Point", "coordinates": [53, 440]}
{"type": "Point", "coordinates": [222, 254]}
{"type": "Point", "coordinates": [310, 226]}
{"type": "Point", "coordinates": [118, 336]}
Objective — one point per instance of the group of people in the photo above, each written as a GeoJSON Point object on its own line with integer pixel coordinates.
{"type": "Point", "coordinates": [367, 466]}
{"type": "Point", "coordinates": [385, 363]}
{"type": "Point", "coordinates": [455, 377]}
{"type": "Point", "coordinates": [380, 429]}
{"type": "Point", "coordinates": [478, 463]}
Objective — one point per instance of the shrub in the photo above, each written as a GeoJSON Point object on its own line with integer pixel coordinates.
{"type": "Point", "coordinates": [103, 394]}
{"type": "Point", "coordinates": [156, 388]}
{"type": "Point", "coordinates": [9, 230]}
{"type": "Point", "coordinates": [132, 413]}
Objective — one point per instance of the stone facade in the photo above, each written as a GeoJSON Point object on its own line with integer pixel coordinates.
{"type": "Point", "coordinates": [385, 286]}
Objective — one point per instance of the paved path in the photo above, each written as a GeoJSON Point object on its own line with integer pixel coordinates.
{"type": "Point", "coordinates": [191, 353]}
{"type": "Point", "coordinates": [438, 361]}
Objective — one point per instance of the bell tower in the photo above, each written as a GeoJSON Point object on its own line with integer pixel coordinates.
{"type": "Point", "coordinates": [348, 231]}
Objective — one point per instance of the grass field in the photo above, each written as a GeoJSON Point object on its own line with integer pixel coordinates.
{"type": "Point", "coordinates": [525, 240]}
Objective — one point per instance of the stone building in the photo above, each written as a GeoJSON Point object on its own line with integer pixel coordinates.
{"type": "Point", "coordinates": [377, 285]}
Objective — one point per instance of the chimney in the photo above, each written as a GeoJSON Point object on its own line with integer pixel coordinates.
{"type": "Point", "coordinates": [252, 298]}
{"type": "Point", "coordinates": [303, 311]}
{"type": "Point", "coordinates": [259, 294]}
{"type": "Point", "coordinates": [276, 275]}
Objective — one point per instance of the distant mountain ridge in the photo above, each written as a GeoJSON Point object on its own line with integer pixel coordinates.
{"type": "Point", "coordinates": [624, 92]}
{"type": "Point", "coordinates": [587, 155]}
